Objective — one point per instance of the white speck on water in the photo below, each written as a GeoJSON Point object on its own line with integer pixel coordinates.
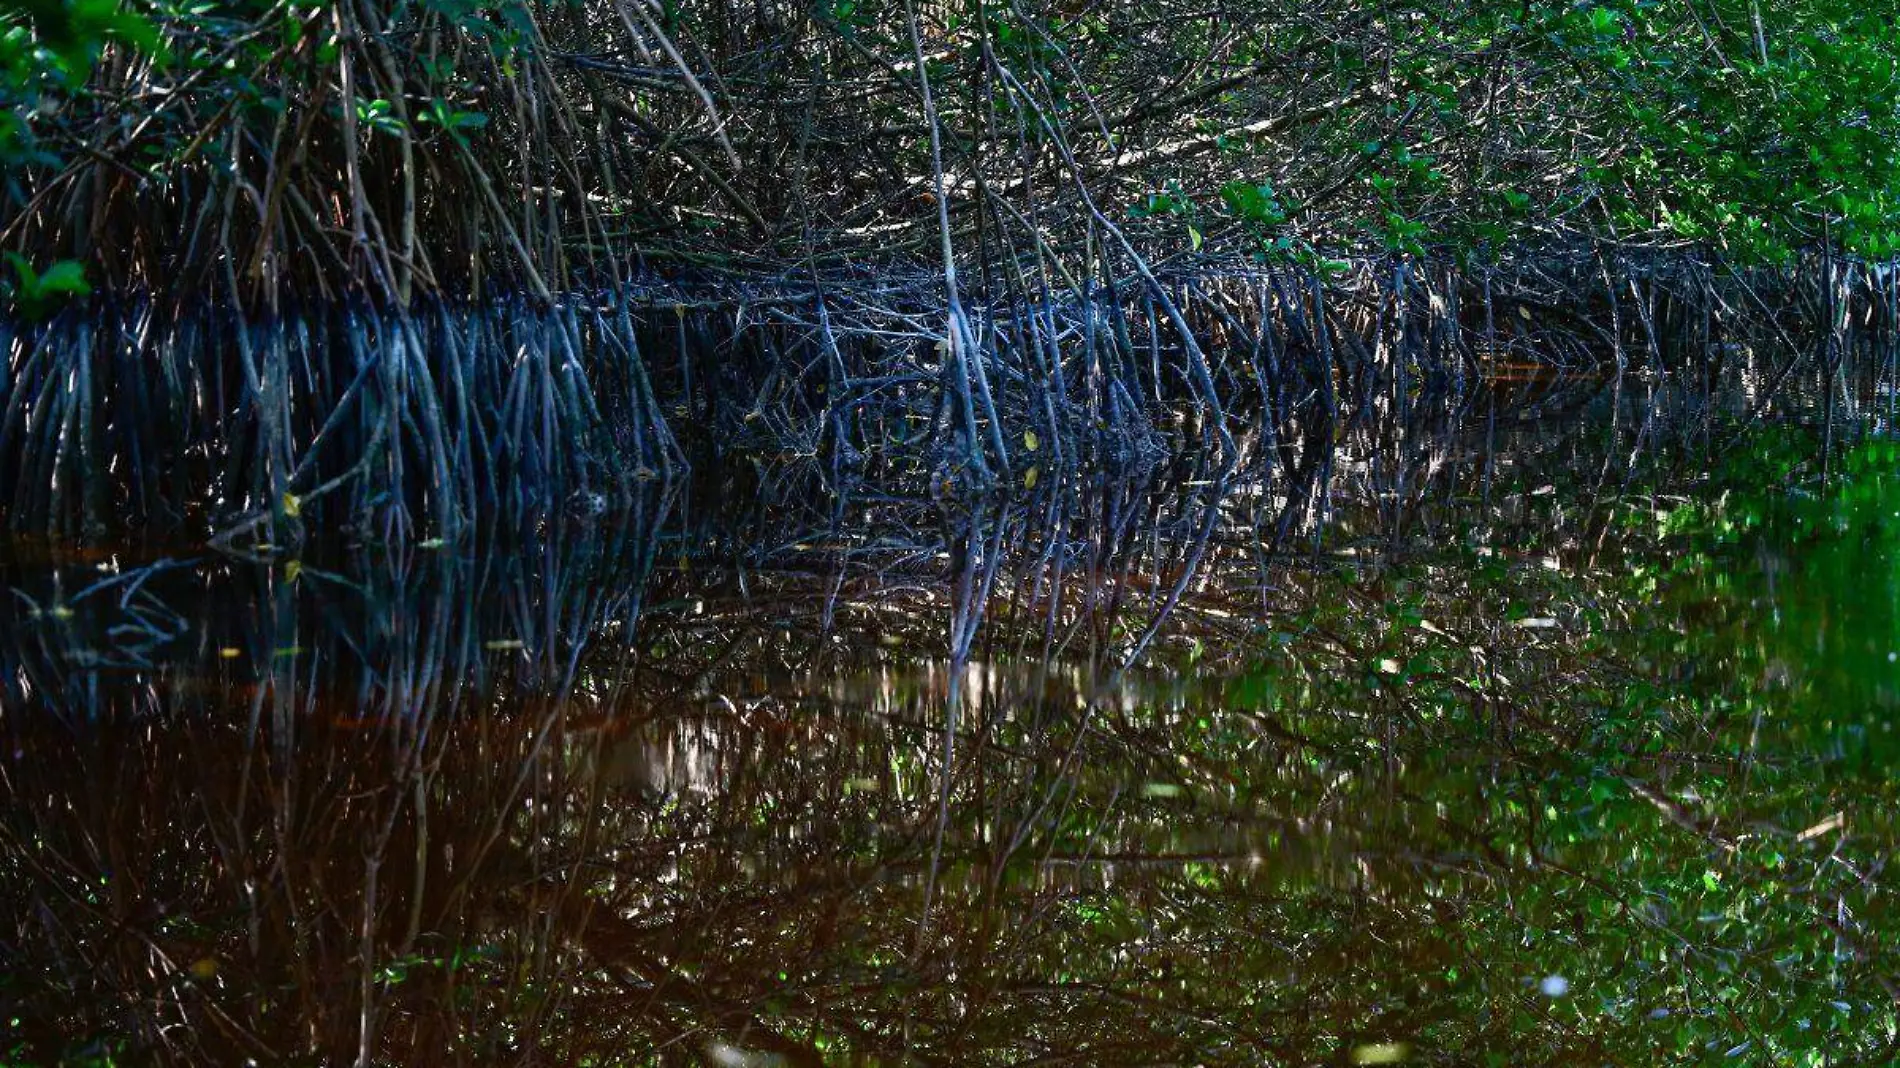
{"type": "Point", "coordinates": [1554, 986]}
{"type": "Point", "coordinates": [729, 1056]}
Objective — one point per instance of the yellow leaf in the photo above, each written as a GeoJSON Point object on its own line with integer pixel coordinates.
{"type": "Point", "coordinates": [1031, 441]}
{"type": "Point", "coordinates": [293, 570]}
{"type": "Point", "coordinates": [229, 653]}
{"type": "Point", "coordinates": [293, 505]}
{"type": "Point", "coordinates": [1029, 478]}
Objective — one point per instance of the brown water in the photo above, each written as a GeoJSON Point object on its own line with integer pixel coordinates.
{"type": "Point", "coordinates": [1505, 765]}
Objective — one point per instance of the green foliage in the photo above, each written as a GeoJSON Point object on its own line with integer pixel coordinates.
{"type": "Point", "coordinates": [455, 122]}
{"type": "Point", "coordinates": [1283, 131]}
{"type": "Point", "coordinates": [1761, 127]}
{"type": "Point", "coordinates": [36, 294]}
{"type": "Point", "coordinates": [1254, 203]}
{"type": "Point", "coordinates": [379, 115]}
{"type": "Point", "coordinates": [47, 51]}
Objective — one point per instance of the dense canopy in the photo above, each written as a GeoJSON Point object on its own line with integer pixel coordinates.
{"type": "Point", "coordinates": [300, 148]}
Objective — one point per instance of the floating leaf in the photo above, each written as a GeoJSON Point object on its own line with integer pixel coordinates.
{"type": "Point", "coordinates": [1029, 478]}
{"type": "Point", "coordinates": [1031, 441]}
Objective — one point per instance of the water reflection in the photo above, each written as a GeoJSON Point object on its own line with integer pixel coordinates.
{"type": "Point", "coordinates": [1132, 771]}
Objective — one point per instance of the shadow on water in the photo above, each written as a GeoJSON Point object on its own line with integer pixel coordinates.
{"type": "Point", "coordinates": [1451, 753]}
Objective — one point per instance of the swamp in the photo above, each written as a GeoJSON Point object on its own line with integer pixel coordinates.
{"type": "Point", "coordinates": [837, 532]}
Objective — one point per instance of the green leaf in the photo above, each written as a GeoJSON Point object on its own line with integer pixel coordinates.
{"type": "Point", "coordinates": [66, 276]}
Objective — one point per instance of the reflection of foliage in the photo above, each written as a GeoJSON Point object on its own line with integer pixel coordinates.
{"type": "Point", "coordinates": [616, 814]}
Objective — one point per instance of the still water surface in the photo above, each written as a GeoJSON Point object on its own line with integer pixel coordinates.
{"type": "Point", "coordinates": [1513, 764]}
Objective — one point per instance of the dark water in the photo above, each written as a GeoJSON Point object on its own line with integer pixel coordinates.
{"type": "Point", "coordinates": [1518, 760]}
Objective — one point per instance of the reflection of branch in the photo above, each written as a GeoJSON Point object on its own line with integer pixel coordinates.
{"type": "Point", "coordinates": [24, 856]}
{"type": "Point", "coordinates": [1678, 815]}
{"type": "Point", "coordinates": [1863, 951]}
